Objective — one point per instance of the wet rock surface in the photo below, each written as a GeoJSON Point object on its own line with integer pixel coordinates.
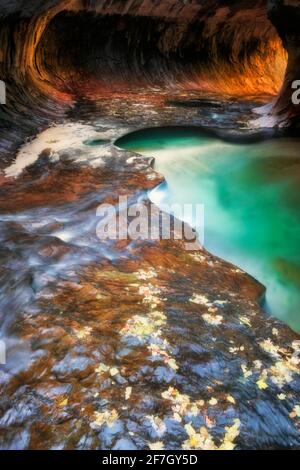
{"type": "Point", "coordinates": [129, 344]}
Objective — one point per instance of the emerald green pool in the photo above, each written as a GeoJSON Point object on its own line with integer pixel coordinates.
{"type": "Point", "coordinates": [95, 142]}
{"type": "Point", "coordinates": [251, 194]}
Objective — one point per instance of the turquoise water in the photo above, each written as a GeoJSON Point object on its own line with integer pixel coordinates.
{"type": "Point", "coordinates": [251, 194]}
{"type": "Point", "coordinates": [95, 142]}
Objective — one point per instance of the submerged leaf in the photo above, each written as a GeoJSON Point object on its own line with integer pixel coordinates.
{"type": "Point", "coordinates": [261, 383]}
{"type": "Point", "coordinates": [128, 392]}
{"type": "Point", "coordinates": [159, 445]}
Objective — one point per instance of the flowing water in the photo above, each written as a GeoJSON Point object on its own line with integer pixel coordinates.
{"type": "Point", "coordinates": [251, 198]}
{"type": "Point", "coordinates": [112, 345]}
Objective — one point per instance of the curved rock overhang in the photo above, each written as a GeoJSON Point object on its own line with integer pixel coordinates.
{"type": "Point", "coordinates": [285, 15]}
{"type": "Point", "coordinates": [59, 50]}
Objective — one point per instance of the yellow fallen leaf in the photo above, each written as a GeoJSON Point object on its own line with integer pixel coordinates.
{"type": "Point", "coordinates": [177, 417]}
{"type": "Point", "coordinates": [268, 346]}
{"type": "Point", "coordinates": [200, 300]}
{"type": "Point", "coordinates": [172, 363]}
{"type": "Point", "coordinates": [63, 403]}
{"type": "Point", "coordinates": [213, 401]}
{"type": "Point", "coordinates": [156, 445]}
{"type": "Point", "coordinates": [257, 364]}
{"type": "Point", "coordinates": [128, 392]}
{"type": "Point", "coordinates": [247, 373]}
{"type": "Point", "coordinates": [200, 403]}
{"type": "Point", "coordinates": [245, 321]}
{"type": "Point", "coordinates": [227, 446]}
{"type": "Point", "coordinates": [198, 440]}
{"type": "Point", "coordinates": [107, 417]}
{"type": "Point", "coordinates": [113, 371]}
{"type": "Point", "coordinates": [231, 434]}
{"type": "Point", "coordinates": [230, 399]}
{"type": "Point", "coordinates": [213, 319]}
{"type": "Point", "coordinates": [194, 442]}
{"type": "Point", "coordinates": [296, 412]}
{"type": "Point", "coordinates": [194, 410]}
{"type": "Point", "coordinates": [101, 368]}
{"type": "Point", "coordinates": [262, 385]}
{"type": "Point", "coordinates": [281, 396]}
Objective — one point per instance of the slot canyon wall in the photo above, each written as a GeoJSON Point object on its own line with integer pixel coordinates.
{"type": "Point", "coordinates": [59, 51]}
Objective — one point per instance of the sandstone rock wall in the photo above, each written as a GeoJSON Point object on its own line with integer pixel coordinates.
{"type": "Point", "coordinates": [52, 52]}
